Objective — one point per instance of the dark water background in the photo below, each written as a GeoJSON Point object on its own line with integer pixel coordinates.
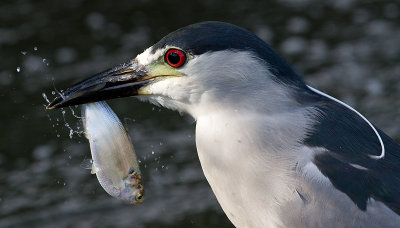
{"type": "Point", "coordinates": [348, 48]}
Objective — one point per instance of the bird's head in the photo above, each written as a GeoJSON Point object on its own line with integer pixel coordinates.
{"type": "Point", "coordinates": [209, 63]}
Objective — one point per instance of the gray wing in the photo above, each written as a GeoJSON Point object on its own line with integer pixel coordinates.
{"type": "Point", "coordinates": [348, 161]}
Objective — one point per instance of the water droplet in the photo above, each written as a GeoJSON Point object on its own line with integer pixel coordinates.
{"type": "Point", "coordinates": [35, 48]}
{"type": "Point", "coordinates": [73, 113]}
{"type": "Point", "coordinates": [24, 52]}
{"type": "Point", "coordinates": [69, 157]}
{"type": "Point", "coordinates": [161, 143]}
{"type": "Point", "coordinates": [45, 61]}
{"type": "Point", "coordinates": [58, 135]}
{"type": "Point", "coordinates": [18, 69]}
{"type": "Point", "coordinates": [64, 183]}
{"type": "Point", "coordinates": [45, 98]}
{"type": "Point", "coordinates": [152, 152]}
{"type": "Point", "coordinates": [53, 92]}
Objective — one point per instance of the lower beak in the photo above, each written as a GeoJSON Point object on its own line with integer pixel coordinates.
{"type": "Point", "coordinates": [121, 81]}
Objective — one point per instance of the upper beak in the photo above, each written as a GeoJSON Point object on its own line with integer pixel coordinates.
{"type": "Point", "coordinates": [121, 81]}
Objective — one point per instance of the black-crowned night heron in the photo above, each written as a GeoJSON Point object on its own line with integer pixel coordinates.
{"type": "Point", "coordinates": [276, 152]}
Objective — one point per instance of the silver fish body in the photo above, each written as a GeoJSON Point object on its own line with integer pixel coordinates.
{"type": "Point", "coordinates": [114, 159]}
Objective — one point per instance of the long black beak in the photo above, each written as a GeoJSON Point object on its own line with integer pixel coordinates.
{"type": "Point", "coordinates": [121, 81]}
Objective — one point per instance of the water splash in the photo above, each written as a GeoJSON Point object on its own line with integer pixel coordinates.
{"type": "Point", "coordinates": [71, 130]}
{"type": "Point", "coordinates": [76, 116]}
{"type": "Point", "coordinates": [45, 61]}
{"type": "Point", "coordinates": [58, 92]}
{"type": "Point", "coordinates": [45, 98]}
{"type": "Point", "coordinates": [66, 124]}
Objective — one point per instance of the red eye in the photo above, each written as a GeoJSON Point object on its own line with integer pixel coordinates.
{"type": "Point", "coordinates": [175, 57]}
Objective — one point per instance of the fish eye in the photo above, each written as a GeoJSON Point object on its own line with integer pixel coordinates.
{"type": "Point", "coordinates": [131, 170]}
{"type": "Point", "coordinates": [139, 196]}
{"type": "Point", "coordinates": [175, 57]}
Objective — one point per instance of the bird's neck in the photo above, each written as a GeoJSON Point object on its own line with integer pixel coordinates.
{"type": "Point", "coordinates": [248, 157]}
{"type": "Point", "coordinates": [265, 99]}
